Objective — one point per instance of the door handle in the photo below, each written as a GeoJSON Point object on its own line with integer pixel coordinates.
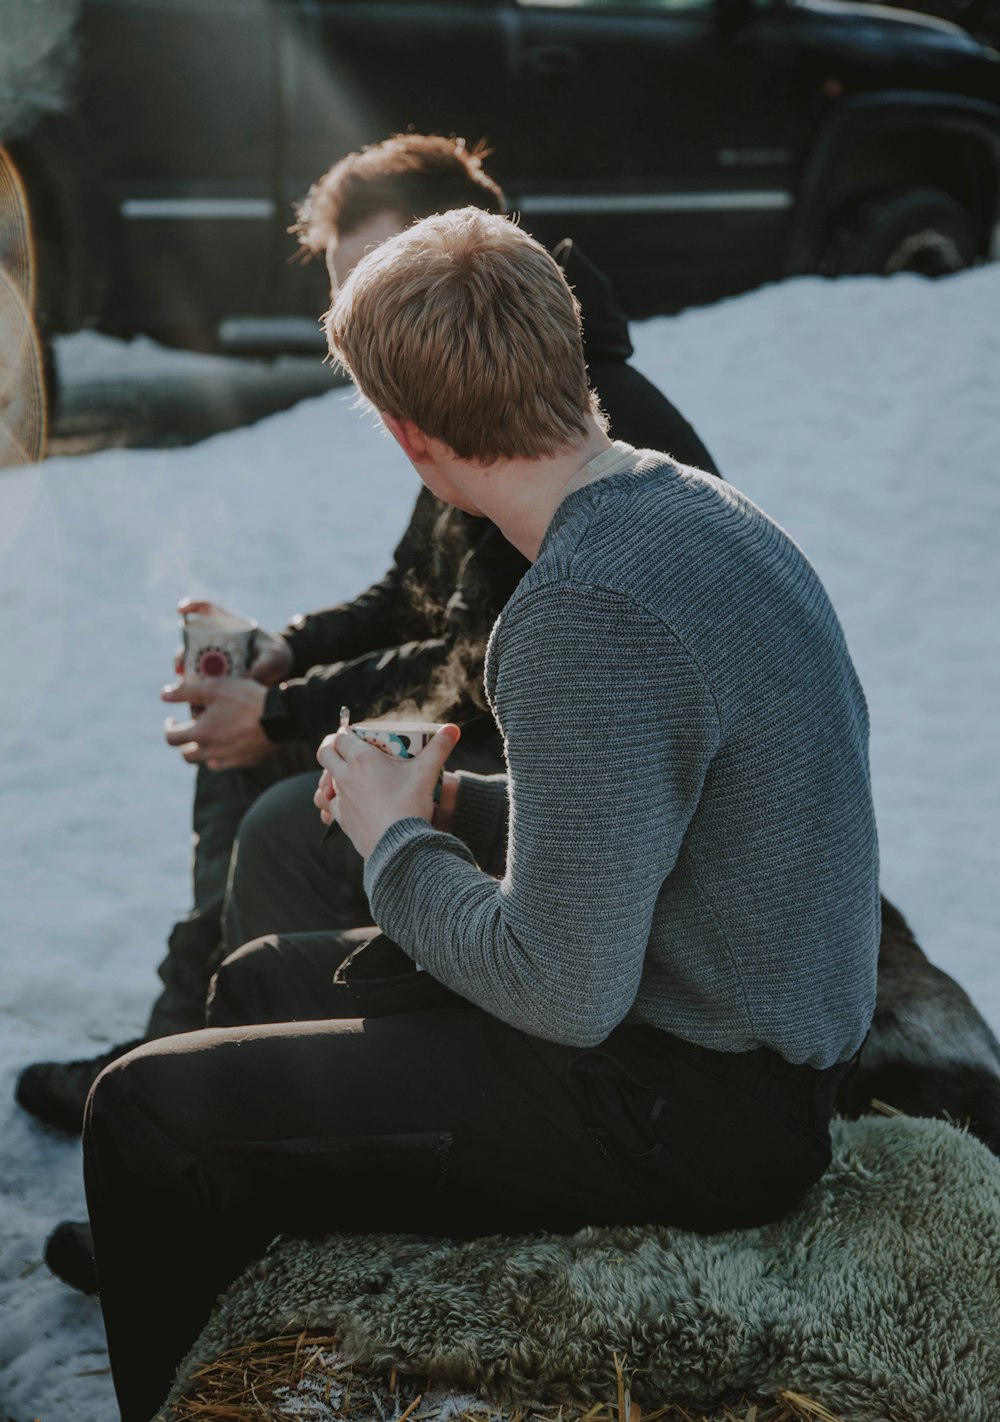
{"type": "Point", "coordinates": [549, 61]}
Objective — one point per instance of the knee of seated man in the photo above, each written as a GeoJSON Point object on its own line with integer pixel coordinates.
{"type": "Point", "coordinates": [135, 1098]}
{"type": "Point", "coordinates": [234, 994]}
{"type": "Point", "coordinates": [276, 815]}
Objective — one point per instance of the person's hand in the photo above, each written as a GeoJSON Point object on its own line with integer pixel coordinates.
{"type": "Point", "coordinates": [366, 791]}
{"type": "Point", "coordinates": [228, 734]}
{"type": "Point", "coordinates": [272, 659]}
{"type": "Point", "coordinates": [444, 810]}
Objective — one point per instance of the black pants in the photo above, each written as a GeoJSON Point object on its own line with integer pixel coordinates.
{"type": "Point", "coordinates": [221, 799]}
{"type": "Point", "coordinates": [260, 864]}
{"type": "Point", "coordinates": [438, 1119]}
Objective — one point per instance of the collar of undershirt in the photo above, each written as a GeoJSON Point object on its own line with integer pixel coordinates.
{"type": "Point", "coordinates": [616, 460]}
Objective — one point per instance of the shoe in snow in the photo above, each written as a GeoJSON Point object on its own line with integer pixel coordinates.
{"type": "Point", "coordinates": [69, 1253]}
{"type": "Point", "coordinates": [56, 1092]}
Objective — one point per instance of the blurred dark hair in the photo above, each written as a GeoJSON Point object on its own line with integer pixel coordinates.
{"type": "Point", "coordinates": [414, 174]}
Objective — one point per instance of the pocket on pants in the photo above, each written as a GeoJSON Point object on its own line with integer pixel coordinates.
{"type": "Point", "coordinates": [379, 980]}
{"type": "Point", "coordinates": [311, 1186]}
{"type": "Point", "coordinates": [424, 1153]}
{"type": "Point", "coordinates": [378, 960]}
{"type": "Point", "coordinates": [617, 1112]}
{"type": "Point", "coordinates": [706, 1152]}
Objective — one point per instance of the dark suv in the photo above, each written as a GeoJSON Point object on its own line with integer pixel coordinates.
{"type": "Point", "coordinates": [694, 147]}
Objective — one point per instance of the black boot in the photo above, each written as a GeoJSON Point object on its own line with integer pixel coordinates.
{"type": "Point", "coordinates": [56, 1092]}
{"type": "Point", "coordinates": [69, 1253]}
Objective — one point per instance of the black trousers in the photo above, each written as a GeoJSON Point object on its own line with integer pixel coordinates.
{"type": "Point", "coordinates": [434, 1118]}
{"type": "Point", "coordinates": [221, 799]}
{"type": "Point", "coordinates": [261, 864]}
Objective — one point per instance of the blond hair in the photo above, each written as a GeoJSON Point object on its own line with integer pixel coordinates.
{"type": "Point", "coordinates": [465, 325]}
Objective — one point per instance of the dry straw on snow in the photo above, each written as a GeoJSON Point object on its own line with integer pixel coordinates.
{"type": "Point", "coordinates": [304, 1379]}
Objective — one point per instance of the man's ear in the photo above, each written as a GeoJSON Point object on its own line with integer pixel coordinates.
{"type": "Point", "coordinates": [410, 437]}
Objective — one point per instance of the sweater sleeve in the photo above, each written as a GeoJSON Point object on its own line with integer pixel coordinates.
{"type": "Point", "coordinates": [481, 818]}
{"type": "Point", "coordinates": [609, 729]}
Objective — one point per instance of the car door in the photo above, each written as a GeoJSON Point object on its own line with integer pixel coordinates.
{"type": "Point", "coordinates": [659, 134]}
{"type": "Point", "coordinates": [355, 71]}
{"type": "Point", "coordinates": [176, 97]}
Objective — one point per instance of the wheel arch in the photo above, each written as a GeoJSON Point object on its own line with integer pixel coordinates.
{"type": "Point", "coordinates": [899, 139]}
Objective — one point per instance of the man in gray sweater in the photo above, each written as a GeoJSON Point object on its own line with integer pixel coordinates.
{"type": "Point", "coordinates": [648, 1015]}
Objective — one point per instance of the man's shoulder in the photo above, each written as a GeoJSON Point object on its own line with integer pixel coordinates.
{"type": "Point", "coordinates": [690, 550]}
{"type": "Point", "coordinates": [619, 526]}
{"type": "Point", "coordinates": [580, 598]}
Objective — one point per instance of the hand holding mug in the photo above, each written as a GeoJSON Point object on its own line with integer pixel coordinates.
{"type": "Point", "coordinates": [377, 780]}
{"type": "Point", "coordinates": [269, 658]}
{"type": "Point", "coordinates": [219, 667]}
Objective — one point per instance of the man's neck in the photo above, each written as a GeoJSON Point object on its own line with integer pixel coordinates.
{"type": "Point", "coordinates": [521, 496]}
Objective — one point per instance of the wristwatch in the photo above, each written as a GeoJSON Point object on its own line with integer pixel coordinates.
{"type": "Point", "coordinates": [276, 719]}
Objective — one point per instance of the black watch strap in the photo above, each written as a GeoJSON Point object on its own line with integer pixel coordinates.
{"type": "Point", "coordinates": [275, 719]}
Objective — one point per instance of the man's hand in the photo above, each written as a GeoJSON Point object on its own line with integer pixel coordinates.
{"type": "Point", "coordinates": [227, 735]}
{"type": "Point", "coordinates": [372, 790]}
{"type": "Point", "coordinates": [272, 661]}
{"type": "Point", "coordinates": [272, 658]}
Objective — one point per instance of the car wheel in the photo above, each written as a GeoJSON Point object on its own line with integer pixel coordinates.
{"type": "Point", "coordinates": [909, 230]}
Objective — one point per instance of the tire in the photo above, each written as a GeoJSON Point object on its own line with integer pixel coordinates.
{"type": "Point", "coordinates": [909, 230]}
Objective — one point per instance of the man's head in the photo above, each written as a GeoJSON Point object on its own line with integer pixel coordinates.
{"type": "Point", "coordinates": [376, 192]}
{"type": "Point", "coordinates": [464, 326]}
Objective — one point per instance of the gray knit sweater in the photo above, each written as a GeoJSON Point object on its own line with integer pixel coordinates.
{"type": "Point", "coordinates": [691, 837]}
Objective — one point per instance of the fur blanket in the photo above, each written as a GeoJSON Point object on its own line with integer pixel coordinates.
{"type": "Point", "coordinates": [879, 1296]}
{"type": "Point", "coordinates": [929, 1052]}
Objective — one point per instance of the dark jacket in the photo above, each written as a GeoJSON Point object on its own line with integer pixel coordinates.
{"type": "Point", "coordinates": [415, 642]}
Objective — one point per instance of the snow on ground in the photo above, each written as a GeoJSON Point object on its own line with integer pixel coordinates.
{"type": "Point", "coordinates": [94, 359]}
{"type": "Point", "coordinates": [90, 358]}
{"type": "Point", "coordinates": [863, 414]}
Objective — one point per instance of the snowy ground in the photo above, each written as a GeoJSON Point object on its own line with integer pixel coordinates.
{"type": "Point", "coordinates": [864, 415]}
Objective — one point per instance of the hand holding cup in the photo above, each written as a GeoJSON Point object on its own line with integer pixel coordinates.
{"type": "Point", "coordinates": [217, 667]}
{"type": "Point", "coordinates": [267, 658]}
{"type": "Point", "coordinates": [381, 772]}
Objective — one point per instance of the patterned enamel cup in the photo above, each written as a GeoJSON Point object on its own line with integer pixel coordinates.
{"type": "Point", "coordinates": [402, 739]}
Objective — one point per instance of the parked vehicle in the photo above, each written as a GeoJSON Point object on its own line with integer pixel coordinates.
{"type": "Point", "coordinates": [694, 148]}
{"type": "Point", "coordinates": [980, 17]}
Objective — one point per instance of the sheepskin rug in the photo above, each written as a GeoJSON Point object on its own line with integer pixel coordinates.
{"type": "Point", "coordinates": [878, 1297]}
